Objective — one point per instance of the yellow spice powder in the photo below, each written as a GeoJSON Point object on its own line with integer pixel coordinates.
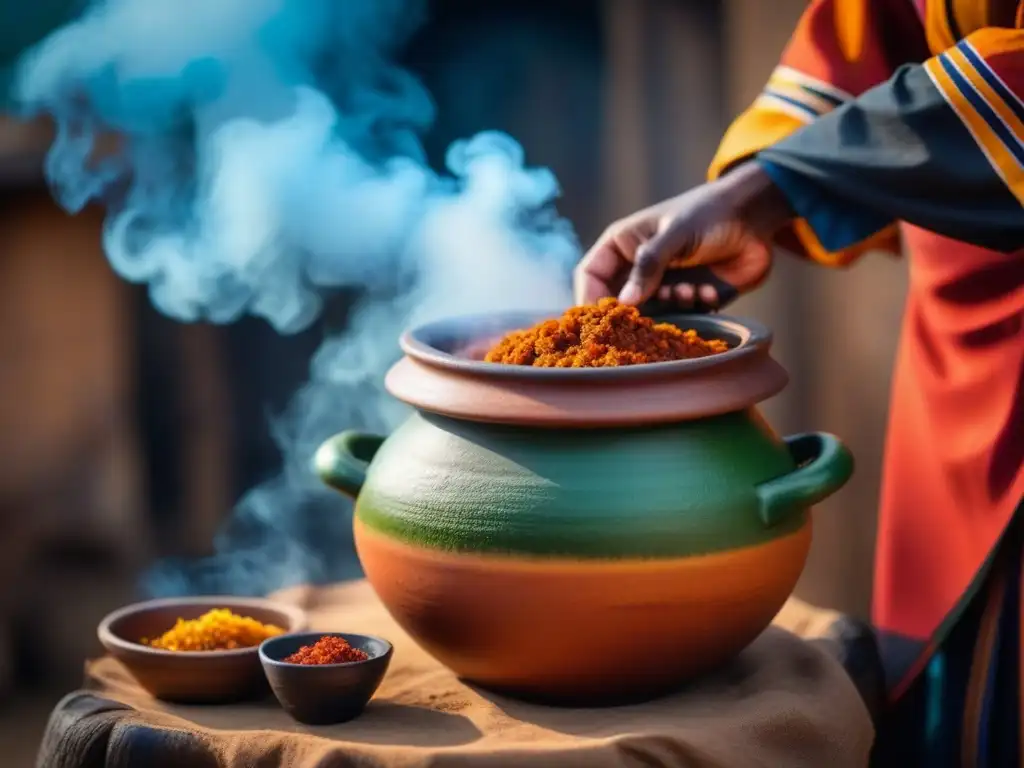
{"type": "Point", "coordinates": [216, 630]}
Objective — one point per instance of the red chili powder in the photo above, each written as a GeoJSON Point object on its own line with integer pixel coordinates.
{"type": "Point", "coordinates": [329, 649]}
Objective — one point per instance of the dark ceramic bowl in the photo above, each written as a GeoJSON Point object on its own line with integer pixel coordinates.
{"type": "Point", "coordinates": [327, 693]}
{"type": "Point", "coordinates": [192, 677]}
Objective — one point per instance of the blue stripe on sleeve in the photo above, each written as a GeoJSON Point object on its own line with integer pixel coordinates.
{"type": "Point", "coordinates": [992, 79]}
{"type": "Point", "coordinates": [838, 223]}
{"type": "Point", "coordinates": [984, 110]}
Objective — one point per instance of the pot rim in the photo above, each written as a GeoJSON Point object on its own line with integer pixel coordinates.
{"type": "Point", "coordinates": [433, 344]}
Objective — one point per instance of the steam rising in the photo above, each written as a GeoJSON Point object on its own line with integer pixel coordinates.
{"type": "Point", "coordinates": [267, 153]}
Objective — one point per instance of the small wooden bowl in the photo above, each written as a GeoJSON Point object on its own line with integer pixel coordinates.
{"type": "Point", "coordinates": [329, 693]}
{"type": "Point", "coordinates": [192, 677]}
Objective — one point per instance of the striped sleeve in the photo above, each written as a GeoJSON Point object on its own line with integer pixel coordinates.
{"type": "Point", "coordinates": [939, 145]}
{"type": "Point", "coordinates": [839, 50]}
{"type": "Point", "coordinates": [982, 80]}
{"type": "Point", "coordinates": [799, 96]}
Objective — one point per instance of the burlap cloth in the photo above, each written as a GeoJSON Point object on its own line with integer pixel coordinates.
{"type": "Point", "coordinates": [784, 703]}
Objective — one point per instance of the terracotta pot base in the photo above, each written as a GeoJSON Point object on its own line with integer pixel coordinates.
{"type": "Point", "coordinates": [552, 629]}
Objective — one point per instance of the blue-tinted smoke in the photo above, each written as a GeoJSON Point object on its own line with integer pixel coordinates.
{"type": "Point", "coordinates": [255, 155]}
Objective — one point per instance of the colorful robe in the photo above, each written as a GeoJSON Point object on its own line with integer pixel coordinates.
{"type": "Point", "coordinates": [892, 120]}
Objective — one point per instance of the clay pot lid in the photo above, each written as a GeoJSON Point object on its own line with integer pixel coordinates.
{"type": "Point", "coordinates": [443, 372]}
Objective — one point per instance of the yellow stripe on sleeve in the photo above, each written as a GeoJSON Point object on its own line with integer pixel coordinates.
{"type": "Point", "coordinates": [993, 99]}
{"type": "Point", "coordinates": [999, 156]}
{"type": "Point", "coordinates": [755, 129]}
{"type": "Point", "coordinates": [887, 240]}
{"type": "Point", "coordinates": [795, 91]}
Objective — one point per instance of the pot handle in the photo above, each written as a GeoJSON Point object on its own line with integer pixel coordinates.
{"type": "Point", "coordinates": [341, 462]}
{"type": "Point", "coordinates": [824, 465]}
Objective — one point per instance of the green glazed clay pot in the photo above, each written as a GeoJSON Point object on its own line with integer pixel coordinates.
{"type": "Point", "coordinates": [583, 535]}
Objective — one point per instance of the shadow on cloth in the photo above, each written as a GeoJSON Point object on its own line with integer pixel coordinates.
{"type": "Point", "coordinates": [381, 723]}
{"type": "Point", "coordinates": [745, 689]}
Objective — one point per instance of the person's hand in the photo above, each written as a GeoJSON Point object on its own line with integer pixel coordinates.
{"type": "Point", "coordinates": [697, 251]}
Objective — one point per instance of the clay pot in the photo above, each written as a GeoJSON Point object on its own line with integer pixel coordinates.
{"type": "Point", "coordinates": [583, 536]}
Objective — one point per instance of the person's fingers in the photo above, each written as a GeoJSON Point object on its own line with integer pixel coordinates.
{"type": "Point", "coordinates": [748, 269]}
{"type": "Point", "coordinates": [720, 244]}
{"type": "Point", "coordinates": [594, 274]}
{"type": "Point", "coordinates": [708, 295]}
{"type": "Point", "coordinates": [665, 293]}
{"type": "Point", "coordinates": [720, 284]}
{"type": "Point", "coordinates": [588, 289]}
{"type": "Point", "coordinates": [600, 272]}
{"type": "Point", "coordinates": [604, 269]}
{"type": "Point", "coordinates": [651, 261]}
{"type": "Point", "coordinates": [684, 294]}
{"type": "Point", "coordinates": [645, 275]}
{"type": "Point", "coordinates": [700, 289]}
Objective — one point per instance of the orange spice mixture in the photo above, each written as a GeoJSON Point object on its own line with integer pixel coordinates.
{"type": "Point", "coordinates": [329, 649]}
{"type": "Point", "coordinates": [216, 630]}
{"type": "Point", "coordinates": [598, 336]}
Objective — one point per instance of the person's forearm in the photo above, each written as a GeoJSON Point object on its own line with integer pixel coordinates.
{"type": "Point", "coordinates": [923, 147]}
{"type": "Point", "coordinates": [758, 200]}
